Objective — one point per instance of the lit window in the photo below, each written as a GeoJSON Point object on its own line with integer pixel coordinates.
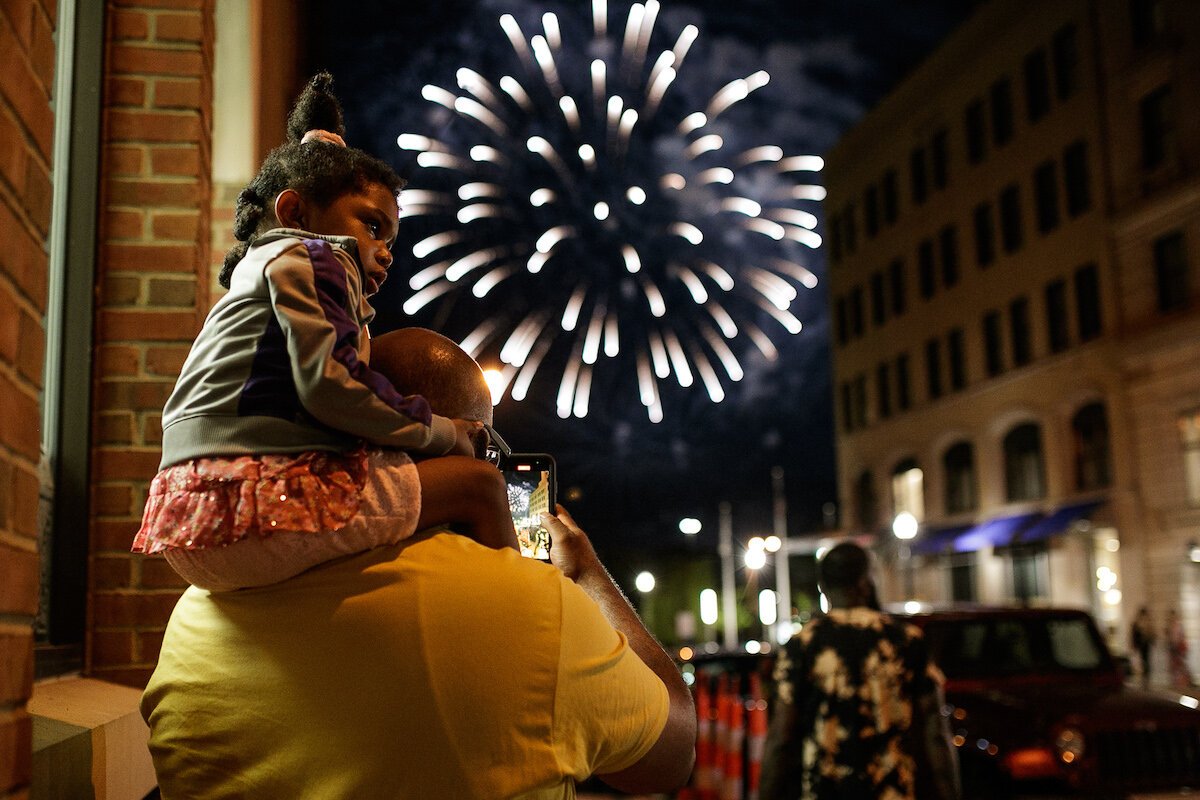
{"type": "Point", "coordinates": [1189, 437]}
{"type": "Point", "coordinates": [908, 489]}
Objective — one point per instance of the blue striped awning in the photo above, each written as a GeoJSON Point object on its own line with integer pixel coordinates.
{"type": "Point", "coordinates": [997, 532]}
{"type": "Point", "coordinates": [937, 539]}
{"type": "Point", "coordinates": [1059, 520]}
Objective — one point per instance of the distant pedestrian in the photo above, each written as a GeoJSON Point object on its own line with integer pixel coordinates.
{"type": "Point", "coordinates": [1141, 637]}
{"type": "Point", "coordinates": [858, 702]}
{"type": "Point", "coordinates": [1177, 650]}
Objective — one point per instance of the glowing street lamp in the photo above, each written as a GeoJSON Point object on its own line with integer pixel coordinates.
{"type": "Point", "coordinates": [689, 526]}
{"type": "Point", "coordinates": [708, 607]}
{"type": "Point", "coordinates": [755, 557]}
{"type": "Point", "coordinates": [904, 527]}
{"type": "Point", "coordinates": [644, 582]}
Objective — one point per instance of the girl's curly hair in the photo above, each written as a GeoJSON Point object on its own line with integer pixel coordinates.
{"type": "Point", "coordinates": [320, 171]}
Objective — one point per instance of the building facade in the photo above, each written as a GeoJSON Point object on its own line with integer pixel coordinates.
{"type": "Point", "coordinates": [123, 126]}
{"type": "Point", "coordinates": [1013, 236]}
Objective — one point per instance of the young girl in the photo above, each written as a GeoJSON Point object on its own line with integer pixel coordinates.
{"type": "Point", "coordinates": [281, 448]}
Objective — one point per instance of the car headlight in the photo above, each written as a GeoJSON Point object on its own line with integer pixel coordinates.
{"type": "Point", "coordinates": [1069, 744]}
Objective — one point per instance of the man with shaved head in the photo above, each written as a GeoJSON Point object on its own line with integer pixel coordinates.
{"type": "Point", "coordinates": [858, 702]}
{"type": "Point", "coordinates": [433, 668]}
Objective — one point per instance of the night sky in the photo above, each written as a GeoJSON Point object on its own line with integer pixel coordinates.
{"type": "Point", "coordinates": [627, 480]}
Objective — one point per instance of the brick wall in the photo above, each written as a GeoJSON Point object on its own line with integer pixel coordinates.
{"type": "Point", "coordinates": [26, 132]}
{"type": "Point", "coordinates": [153, 290]}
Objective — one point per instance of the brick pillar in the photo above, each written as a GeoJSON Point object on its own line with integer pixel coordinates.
{"type": "Point", "coordinates": [26, 131]}
{"type": "Point", "coordinates": [153, 290]}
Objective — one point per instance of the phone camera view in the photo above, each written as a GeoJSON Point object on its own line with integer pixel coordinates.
{"type": "Point", "coordinates": [529, 490]}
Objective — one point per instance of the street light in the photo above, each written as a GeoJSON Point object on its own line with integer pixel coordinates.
{"type": "Point", "coordinates": [689, 526]}
{"type": "Point", "coordinates": [755, 557]}
{"type": "Point", "coordinates": [708, 607]}
{"type": "Point", "coordinates": [904, 526]}
{"type": "Point", "coordinates": [644, 582]}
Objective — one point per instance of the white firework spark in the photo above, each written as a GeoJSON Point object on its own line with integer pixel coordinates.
{"type": "Point", "coordinates": [610, 233]}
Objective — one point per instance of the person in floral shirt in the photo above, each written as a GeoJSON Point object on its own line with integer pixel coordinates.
{"type": "Point", "coordinates": [858, 702]}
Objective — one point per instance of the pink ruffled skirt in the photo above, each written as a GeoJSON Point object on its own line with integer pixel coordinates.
{"type": "Point", "coordinates": [233, 523]}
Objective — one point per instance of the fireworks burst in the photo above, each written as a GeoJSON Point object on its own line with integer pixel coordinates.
{"type": "Point", "coordinates": [619, 232]}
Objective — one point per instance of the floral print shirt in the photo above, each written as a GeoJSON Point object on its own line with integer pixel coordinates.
{"type": "Point", "coordinates": [845, 692]}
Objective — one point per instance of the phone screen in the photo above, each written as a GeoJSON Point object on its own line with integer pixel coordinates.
{"type": "Point", "coordinates": [531, 492]}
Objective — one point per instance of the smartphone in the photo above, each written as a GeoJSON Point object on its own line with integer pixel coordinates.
{"type": "Point", "coordinates": [532, 490]}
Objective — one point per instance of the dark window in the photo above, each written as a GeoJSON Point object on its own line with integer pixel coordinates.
{"type": "Point", "coordinates": [835, 238]}
{"type": "Point", "coordinates": [1002, 113]}
{"type": "Point", "coordinates": [890, 201]}
{"type": "Point", "coordinates": [1024, 474]}
{"type": "Point", "coordinates": [925, 273]}
{"type": "Point", "coordinates": [975, 124]}
{"type": "Point", "coordinates": [1045, 196]}
{"type": "Point", "coordinates": [1147, 21]}
{"type": "Point", "coordinates": [1011, 236]}
{"type": "Point", "coordinates": [933, 368]}
{"type": "Point", "coordinates": [896, 278]}
{"type": "Point", "coordinates": [958, 359]}
{"type": "Point", "coordinates": [939, 148]}
{"type": "Point", "coordinates": [1037, 85]}
{"type": "Point", "coordinates": [1087, 302]}
{"type": "Point", "coordinates": [1075, 173]}
{"type": "Point", "coordinates": [878, 301]}
{"type": "Point", "coordinates": [1030, 573]}
{"type": "Point", "coordinates": [993, 344]}
{"type": "Point", "coordinates": [1158, 127]}
{"type": "Point", "coordinates": [860, 401]}
{"type": "Point", "coordinates": [1089, 430]}
{"type": "Point", "coordinates": [871, 211]}
{"type": "Point", "coordinates": [1057, 323]}
{"type": "Point", "coordinates": [840, 323]}
{"type": "Point", "coordinates": [985, 235]}
{"type": "Point", "coordinates": [962, 578]}
{"type": "Point", "coordinates": [1065, 47]}
{"type": "Point", "coordinates": [916, 168]}
{"type": "Point", "coordinates": [948, 241]}
{"type": "Point", "coordinates": [1171, 271]}
{"type": "Point", "coordinates": [903, 395]}
{"type": "Point", "coordinates": [866, 502]}
{"type": "Point", "coordinates": [847, 408]}
{"type": "Point", "coordinates": [1018, 320]}
{"type": "Point", "coordinates": [856, 312]}
{"type": "Point", "coordinates": [883, 390]}
{"type": "Point", "coordinates": [958, 464]}
{"type": "Point", "coordinates": [850, 229]}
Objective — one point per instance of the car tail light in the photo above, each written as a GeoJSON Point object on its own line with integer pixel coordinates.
{"type": "Point", "coordinates": [1030, 763]}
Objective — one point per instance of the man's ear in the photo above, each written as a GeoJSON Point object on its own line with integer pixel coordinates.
{"type": "Point", "coordinates": [289, 209]}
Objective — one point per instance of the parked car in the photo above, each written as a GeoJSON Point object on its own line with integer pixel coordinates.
{"type": "Point", "coordinates": [1036, 701]}
{"type": "Point", "coordinates": [1037, 705]}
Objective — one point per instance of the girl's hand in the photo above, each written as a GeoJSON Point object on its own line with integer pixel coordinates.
{"type": "Point", "coordinates": [467, 434]}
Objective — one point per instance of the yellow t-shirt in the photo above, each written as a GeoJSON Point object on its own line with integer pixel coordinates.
{"type": "Point", "coordinates": [434, 668]}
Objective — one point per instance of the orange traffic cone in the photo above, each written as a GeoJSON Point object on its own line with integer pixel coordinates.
{"type": "Point", "coordinates": [756, 737]}
{"type": "Point", "coordinates": [721, 735]}
{"type": "Point", "coordinates": [734, 767]}
{"type": "Point", "coordinates": [702, 774]}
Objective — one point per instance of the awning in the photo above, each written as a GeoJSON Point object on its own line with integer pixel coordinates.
{"type": "Point", "coordinates": [1059, 520]}
{"type": "Point", "coordinates": [997, 532]}
{"type": "Point", "coordinates": [937, 539]}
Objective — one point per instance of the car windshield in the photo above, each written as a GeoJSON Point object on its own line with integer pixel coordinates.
{"type": "Point", "coordinates": [990, 647]}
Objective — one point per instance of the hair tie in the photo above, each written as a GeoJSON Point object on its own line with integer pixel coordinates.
{"type": "Point", "coordinates": [318, 135]}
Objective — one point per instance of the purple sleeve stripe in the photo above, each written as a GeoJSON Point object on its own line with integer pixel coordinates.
{"type": "Point", "coordinates": [330, 278]}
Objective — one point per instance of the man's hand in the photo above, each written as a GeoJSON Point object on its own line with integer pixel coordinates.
{"type": "Point", "coordinates": [570, 549]}
{"type": "Point", "coordinates": [667, 766]}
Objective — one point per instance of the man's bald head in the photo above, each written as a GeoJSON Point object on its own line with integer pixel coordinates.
{"type": "Point", "coordinates": [419, 361]}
